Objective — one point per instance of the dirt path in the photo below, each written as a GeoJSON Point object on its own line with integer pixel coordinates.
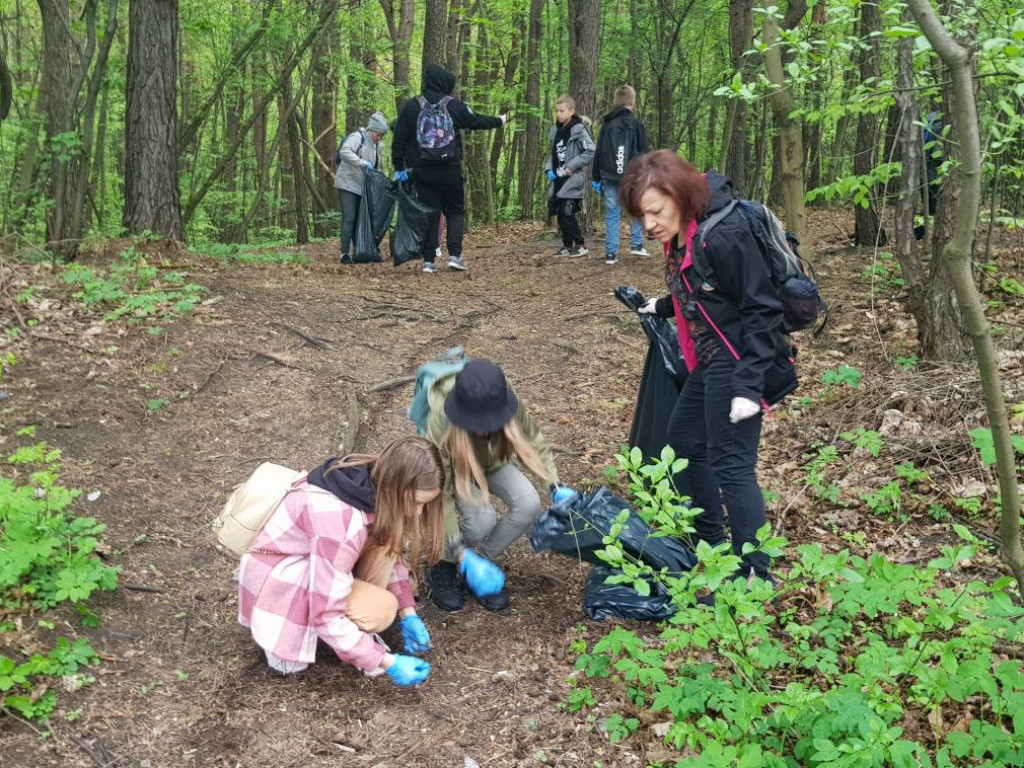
{"type": "Point", "coordinates": [274, 365]}
{"type": "Point", "coordinates": [271, 368]}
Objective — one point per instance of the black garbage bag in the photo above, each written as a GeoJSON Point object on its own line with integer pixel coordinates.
{"type": "Point", "coordinates": [575, 528]}
{"type": "Point", "coordinates": [661, 332]}
{"type": "Point", "coordinates": [411, 230]}
{"type": "Point", "coordinates": [663, 377]}
{"type": "Point", "coordinates": [375, 210]}
{"type": "Point", "coordinates": [602, 600]}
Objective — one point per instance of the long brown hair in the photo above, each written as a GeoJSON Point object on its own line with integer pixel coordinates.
{"type": "Point", "coordinates": [407, 465]}
{"type": "Point", "coordinates": [511, 442]}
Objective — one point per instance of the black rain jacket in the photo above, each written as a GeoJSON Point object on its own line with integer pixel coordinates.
{"type": "Point", "coordinates": [745, 313]}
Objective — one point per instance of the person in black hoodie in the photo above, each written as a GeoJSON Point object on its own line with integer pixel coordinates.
{"type": "Point", "coordinates": [437, 169]}
{"type": "Point", "coordinates": [622, 138]}
{"type": "Point", "coordinates": [731, 339]}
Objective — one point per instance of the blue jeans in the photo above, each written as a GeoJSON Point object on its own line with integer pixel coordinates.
{"type": "Point", "coordinates": [723, 457]}
{"type": "Point", "coordinates": [613, 212]}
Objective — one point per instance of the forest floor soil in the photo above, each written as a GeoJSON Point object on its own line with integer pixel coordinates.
{"type": "Point", "coordinates": [295, 363]}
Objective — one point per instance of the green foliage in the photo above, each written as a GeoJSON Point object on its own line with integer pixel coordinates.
{"type": "Point", "coordinates": [843, 376]}
{"type": "Point", "coordinates": [854, 663]}
{"type": "Point", "coordinates": [47, 557]}
{"type": "Point", "coordinates": [251, 254]}
{"type": "Point", "coordinates": [981, 439]}
{"type": "Point", "coordinates": [132, 288]}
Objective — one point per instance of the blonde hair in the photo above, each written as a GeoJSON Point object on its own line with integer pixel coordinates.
{"type": "Point", "coordinates": [625, 95]}
{"type": "Point", "coordinates": [458, 444]}
{"type": "Point", "coordinates": [569, 101]}
{"type": "Point", "coordinates": [407, 465]}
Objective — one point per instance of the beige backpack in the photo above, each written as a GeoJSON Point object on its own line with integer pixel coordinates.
{"type": "Point", "coordinates": [251, 504]}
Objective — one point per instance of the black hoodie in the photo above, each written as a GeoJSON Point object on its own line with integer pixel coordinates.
{"type": "Point", "coordinates": [350, 484]}
{"type": "Point", "coordinates": [437, 83]}
{"type": "Point", "coordinates": [744, 312]}
{"type": "Point", "coordinates": [621, 139]}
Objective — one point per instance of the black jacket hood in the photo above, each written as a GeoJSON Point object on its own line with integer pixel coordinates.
{"type": "Point", "coordinates": [617, 112]}
{"type": "Point", "coordinates": [438, 82]}
{"type": "Point", "coordinates": [721, 192]}
{"type": "Point", "coordinates": [350, 484]}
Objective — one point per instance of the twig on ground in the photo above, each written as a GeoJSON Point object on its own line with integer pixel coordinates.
{"type": "Point", "coordinates": [278, 360]}
{"type": "Point", "coordinates": [313, 340]}
{"type": "Point", "coordinates": [144, 588]}
{"type": "Point", "coordinates": [351, 429]}
{"type": "Point", "coordinates": [209, 377]}
{"type": "Point", "coordinates": [393, 383]}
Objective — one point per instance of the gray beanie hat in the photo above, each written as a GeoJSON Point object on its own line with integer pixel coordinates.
{"type": "Point", "coordinates": [378, 123]}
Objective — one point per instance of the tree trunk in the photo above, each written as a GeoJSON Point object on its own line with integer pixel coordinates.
{"type": "Point", "coordinates": [868, 230]}
{"type": "Point", "coordinates": [6, 87]}
{"type": "Point", "coordinates": [736, 147]}
{"type": "Point", "coordinates": [816, 94]}
{"type": "Point", "coordinates": [530, 163]}
{"type": "Point", "coordinates": [151, 196]}
{"type": "Point", "coordinates": [910, 179]}
{"type": "Point", "coordinates": [322, 110]}
{"type": "Point", "coordinates": [435, 21]}
{"type": "Point", "coordinates": [791, 151]}
{"type": "Point", "coordinates": [400, 32]}
{"type": "Point", "coordinates": [584, 51]}
{"type": "Point", "coordinates": [957, 257]}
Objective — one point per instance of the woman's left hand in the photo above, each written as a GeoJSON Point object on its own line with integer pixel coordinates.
{"type": "Point", "coordinates": [414, 634]}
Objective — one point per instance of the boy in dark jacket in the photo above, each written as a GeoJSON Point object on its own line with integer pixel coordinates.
{"type": "Point", "coordinates": [621, 139]}
{"type": "Point", "coordinates": [435, 158]}
{"type": "Point", "coordinates": [572, 150]}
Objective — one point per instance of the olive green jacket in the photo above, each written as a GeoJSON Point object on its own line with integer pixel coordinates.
{"type": "Point", "coordinates": [486, 449]}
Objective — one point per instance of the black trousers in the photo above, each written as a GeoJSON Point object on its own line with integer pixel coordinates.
{"type": "Point", "coordinates": [443, 189]}
{"type": "Point", "coordinates": [566, 211]}
{"type": "Point", "coordinates": [349, 204]}
{"type": "Point", "coordinates": [722, 459]}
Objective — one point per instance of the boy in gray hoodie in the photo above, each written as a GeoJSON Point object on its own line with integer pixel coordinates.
{"type": "Point", "coordinates": [572, 150]}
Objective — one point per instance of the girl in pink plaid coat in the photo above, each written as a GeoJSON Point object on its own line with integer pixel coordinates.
{"type": "Point", "coordinates": [329, 564]}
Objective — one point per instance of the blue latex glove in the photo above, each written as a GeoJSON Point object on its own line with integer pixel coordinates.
{"type": "Point", "coordinates": [401, 175]}
{"type": "Point", "coordinates": [408, 670]}
{"type": "Point", "coordinates": [414, 634]}
{"type": "Point", "coordinates": [550, 174]}
{"type": "Point", "coordinates": [560, 493]}
{"type": "Point", "coordinates": [597, 186]}
{"type": "Point", "coordinates": [483, 577]}
{"type": "Point", "coordinates": [369, 167]}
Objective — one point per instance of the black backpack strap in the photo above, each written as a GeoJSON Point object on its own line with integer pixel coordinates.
{"type": "Point", "coordinates": [697, 256]}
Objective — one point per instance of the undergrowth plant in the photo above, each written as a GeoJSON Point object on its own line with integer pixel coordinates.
{"type": "Point", "coordinates": [47, 558]}
{"type": "Point", "coordinates": [853, 661]}
{"type": "Point", "coordinates": [134, 289]}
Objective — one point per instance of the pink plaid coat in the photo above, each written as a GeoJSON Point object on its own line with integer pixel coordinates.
{"type": "Point", "coordinates": [289, 600]}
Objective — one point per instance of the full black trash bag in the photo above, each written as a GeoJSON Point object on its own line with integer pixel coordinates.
{"type": "Point", "coordinates": [375, 209]}
{"type": "Point", "coordinates": [659, 330]}
{"type": "Point", "coordinates": [411, 230]}
{"type": "Point", "coordinates": [602, 600]}
{"type": "Point", "coordinates": [575, 528]}
{"type": "Point", "coordinates": [663, 377]}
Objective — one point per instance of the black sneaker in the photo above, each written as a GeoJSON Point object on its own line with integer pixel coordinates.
{"type": "Point", "coordinates": [579, 250]}
{"type": "Point", "coordinates": [498, 602]}
{"type": "Point", "coordinates": [346, 259]}
{"type": "Point", "coordinates": [445, 589]}
{"type": "Point", "coordinates": [563, 251]}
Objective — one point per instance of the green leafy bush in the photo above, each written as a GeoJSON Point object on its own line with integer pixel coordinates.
{"type": "Point", "coordinates": [854, 661]}
{"type": "Point", "coordinates": [47, 557]}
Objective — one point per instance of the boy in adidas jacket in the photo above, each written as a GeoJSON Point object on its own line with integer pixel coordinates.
{"type": "Point", "coordinates": [438, 184]}
{"type": "Point", "coordinates": [621, 139]}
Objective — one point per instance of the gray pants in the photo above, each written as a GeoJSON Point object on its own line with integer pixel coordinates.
{"type": "Point", "coordinates": [481, 528]}
{"type": "Point", "coordinates": [349, 203]}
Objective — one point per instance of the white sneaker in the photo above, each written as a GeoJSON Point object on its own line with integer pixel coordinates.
{"type": "Point", "coordinates": [428, 267]}
{"type": "Point", "coordinates": [456, 262]}
{"type": "Point", "coordinates": [641, 251]}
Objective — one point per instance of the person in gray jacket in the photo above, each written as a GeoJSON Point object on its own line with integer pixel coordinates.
{"type": "Point", "coordinates": [358, 154]}
{"type": "Point", "coordinates": [572, 150]}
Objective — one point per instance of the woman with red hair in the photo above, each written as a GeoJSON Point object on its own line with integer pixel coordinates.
{"type": "Point", "coordinates": [729, 324]}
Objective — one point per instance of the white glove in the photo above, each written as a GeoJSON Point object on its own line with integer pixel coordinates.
{"type": "Point", "coordinates": [647, 308]}
{"type": "Point", "coordinates": [504, 119]}
{"type": "Point", "coordinates": [742, 409]}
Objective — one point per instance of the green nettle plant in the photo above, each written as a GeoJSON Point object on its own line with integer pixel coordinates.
{"type": "Point", "coordinates": [853, 661]}
{"type": "Point", "coordinates": [47, 557]}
